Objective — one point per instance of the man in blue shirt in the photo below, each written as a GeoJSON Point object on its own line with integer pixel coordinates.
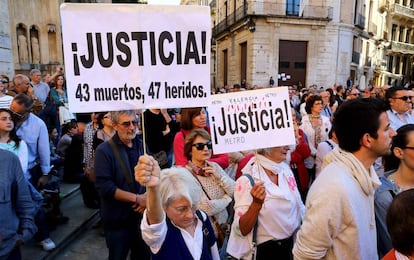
{"type": "Point", "coordinates": [33, 131]}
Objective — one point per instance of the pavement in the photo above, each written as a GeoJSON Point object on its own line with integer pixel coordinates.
{"type": "Point", "coordinates": [76, 239]}
{"type": "Point", "coordinates": [90, 245]}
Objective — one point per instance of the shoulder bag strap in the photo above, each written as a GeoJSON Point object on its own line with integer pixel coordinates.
{"type": "Point", "coordinates": [123, 166]}
{"type": "Point", "coordinates": [206, 233]}
{"type": "Point", "coordinates": [254, 239]}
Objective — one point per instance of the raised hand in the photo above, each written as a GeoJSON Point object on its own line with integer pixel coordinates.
{"type": "Point", "coordinates": [147, 171]}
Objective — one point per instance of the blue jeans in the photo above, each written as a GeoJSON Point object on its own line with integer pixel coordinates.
{"type": "Point", "coordinates": [122, 240]}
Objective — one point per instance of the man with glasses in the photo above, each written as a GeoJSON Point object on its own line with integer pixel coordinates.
{"type": "Point", "coordinates": [326, 110]}
{"type": "Point", "coordinates": [123, 200]}
{"type": "Point", "coordinates": [399, 102]}
{"type": "Point", "coordinates": [41, 89]}
{"type": "Point", "coordinates": [354, 94]}
{"type": "Point", "coordinates": [33, 131]}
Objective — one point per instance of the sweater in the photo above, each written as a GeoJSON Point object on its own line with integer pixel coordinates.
{"type": "Point", "coordinates": [16, 205]}
{"type": "Point", "coordinates": [339, 221]}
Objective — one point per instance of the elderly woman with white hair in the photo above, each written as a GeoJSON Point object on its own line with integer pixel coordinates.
{"type": "Point", "coordinates": [171, 226]}
{"type": "Point", "coordinates": [269, 211]}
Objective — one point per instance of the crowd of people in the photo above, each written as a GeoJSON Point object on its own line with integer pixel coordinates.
{"type": "Point", "coordinates": [164, 194]}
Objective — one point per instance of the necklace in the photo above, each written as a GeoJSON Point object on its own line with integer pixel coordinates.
{"type": "Point", "coordinates": [317, 116]}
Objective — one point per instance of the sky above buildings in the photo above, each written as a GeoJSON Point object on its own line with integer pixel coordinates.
{"type": "Point", "coordinates": [164, 2]}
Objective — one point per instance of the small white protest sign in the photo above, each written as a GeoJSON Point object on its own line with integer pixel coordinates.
{"type": "Point", "coordinates": [251, 120]}
{"type": "Point", "coordinates": [123, 56]}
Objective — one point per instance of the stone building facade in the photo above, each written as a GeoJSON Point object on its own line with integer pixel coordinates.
{"type": "Point", "coordinates": [31, 35]}
{"type": "Point", "coordinates": [6, 52]}
{"type": "Point", "coordinates": [318, 42]}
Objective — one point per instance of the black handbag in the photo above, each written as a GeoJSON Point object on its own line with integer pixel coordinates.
{"type": "Point", "coordinates": [161, 158]}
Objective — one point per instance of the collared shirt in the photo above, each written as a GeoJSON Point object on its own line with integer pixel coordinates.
{"type": "Point", "coordinates": [34, 132]}
{"type": "Point", "coordinates": [398, 120]}
{"type": "Point", "coordinates": [326, 111]}
{"type": "Point", "coordinates": [41, 90]}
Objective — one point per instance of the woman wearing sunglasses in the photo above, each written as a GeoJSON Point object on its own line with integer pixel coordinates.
{"type": "Point", "coordinates": [194, 118]}
{"type": "Point", "coordinates": [217, 186]}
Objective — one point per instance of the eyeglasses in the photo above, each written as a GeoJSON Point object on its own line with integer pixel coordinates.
{"type": "Point", "coordinates": [184, 209]}
{"type": "Point", "coordinates": [128, 123]}
{"type": "Point", "coordinates": [404, 98]}
{"type": "Point", "coordinates": [408, 147]}
{"type": "Point", "coordinates": [200, 146]}
{"type": "Point", "coordinates": [355, 94]}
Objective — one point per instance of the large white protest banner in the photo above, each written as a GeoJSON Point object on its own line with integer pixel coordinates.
{"type": "Point", "coordinates": [251, 120]}
{"type": "Point", "coordinates": [136, 56]}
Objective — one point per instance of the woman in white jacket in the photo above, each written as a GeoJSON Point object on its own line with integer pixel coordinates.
{"type": "Point", "coordinates": [316, 127]}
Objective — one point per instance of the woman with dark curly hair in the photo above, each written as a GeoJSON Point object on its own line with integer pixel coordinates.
{"type": "Point", "coordinates": [316, 127]}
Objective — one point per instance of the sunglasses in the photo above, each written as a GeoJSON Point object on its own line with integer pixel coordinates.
{"type": "Point", "coordinates": [16, 115]}
{"type": "Point", "coordinates": [200, 146]}
{"type": "Point", "coordinates": [128, 123]}
{"type": "Point", "coordinates": [404, 98]}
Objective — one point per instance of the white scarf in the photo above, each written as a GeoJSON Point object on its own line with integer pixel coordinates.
{"type": "Point", "coordinates": [368, 180]}
{"type": "Point", "coordinates": [259, 160]}
{"type": "Point", "coordinates": [282, 169]}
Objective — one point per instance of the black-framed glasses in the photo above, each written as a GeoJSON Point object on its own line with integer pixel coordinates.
{"type": "Point", "coordinates": [200, 146]}
{"type": "Point", "coordinates": [128, 123]}
{"type": "Point", "coordinates": [408, 147]}
{"type": "Point", "coordinates": [404, 98]}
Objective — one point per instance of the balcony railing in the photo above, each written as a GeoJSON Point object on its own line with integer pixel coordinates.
{"type": "Point", "coordinates": [271, 10]}
{"type": "Point", "coordinates": [355, 57]}
{"type": "Point", "coordinates": [360, 21]}
{"type": "Point", "coordinates": [402, 47]}
{"type": "Point", "coordinates": [381, 65]}
{"type": "Point", "coordinates": [368, 62]}
{"type": "Point", "coordinates": [403, 11]}
{"type": "Point", "coordinates": [372, 28]}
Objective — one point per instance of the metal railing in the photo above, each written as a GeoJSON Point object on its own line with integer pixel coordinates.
{"type": "Point", "coordinates": [372, 28]}
{"type": "Point", "coordinates": [360, 21]}
{"type": "Point", "coordinates": [266, 9]}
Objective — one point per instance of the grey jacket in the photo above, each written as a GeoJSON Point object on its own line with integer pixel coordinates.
{"type": "Point", "coordinates": [383, 197]}
{"type": "Point", "coordinates": [16, 205]}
